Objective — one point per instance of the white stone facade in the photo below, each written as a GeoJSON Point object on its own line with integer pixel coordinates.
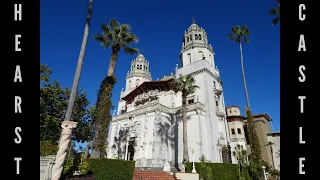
{"type": "Point", "coordinates": [153, 119]}
{"type": "Point", "coordinates": [274, 139]}
{"type": "Point", "coordinates": [236, 131]}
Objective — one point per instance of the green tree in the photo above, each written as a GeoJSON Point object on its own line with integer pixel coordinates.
{"type": "Point", "coordinates": [186, 85]}
{"type": "Point", "coordinates": [115, 36]}
{"type": "Point", "coordinates": [205, 169]}
{"type": "Point", "coordinates": [275, 12]}
{"type": "Point", "coordinates": [241, 155]}
{"type": "Point", "coordinates": [53, 105]}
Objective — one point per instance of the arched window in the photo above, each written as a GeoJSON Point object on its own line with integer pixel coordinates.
{"type": "Point", "coordinates": [199, 36]}
{"type": "Point", "coordinates": [187, 39]}
{"type": "Point", "coordinates": [137, 82]}
{"type": "Point", "coordinates": [190, 37]}
{"type": "Point", "coordinates": [196, 37]}
{"type": "Point", "coordinates": [129, 85]}
{"type": "Point", "coordinates": [189, 58]}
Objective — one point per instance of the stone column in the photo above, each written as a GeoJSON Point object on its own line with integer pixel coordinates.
{"type": "Point", "coordinates": [67, 127]}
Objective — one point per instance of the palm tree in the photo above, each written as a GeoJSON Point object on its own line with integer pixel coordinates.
{"type": "Point", "coordinates": [275, 12]}
{"type": "Point", "coordinates": [239, 35]}
{"type": "Point", "coordinates": [241, 155]}
{"type": "Point", "coordinates": [116, 36]}
{"type": "Point", "coordinates": [186, 85]}
{"type": "Point", "coordinates": [56, 172]}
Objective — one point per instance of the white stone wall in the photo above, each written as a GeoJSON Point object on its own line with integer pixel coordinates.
{"type": "Point", "coordinates": [205, 76]}
{"type": "Point", "coordinates": [196, 54]}
{"type": "Point", "coordinates": [236, 138]}
{"type": "Point", "coordinates": [276, 149]}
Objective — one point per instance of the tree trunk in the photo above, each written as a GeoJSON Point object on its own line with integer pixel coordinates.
{"type": "Point", "coordinates": [113, 61]}
{"type": "Point", "coordinates": [86, 151]}
{"type": "Point", "coordinates": [79, 65]}
{"type": "Point", "coordinates": [57, 170]}
{"type": "Point", "coordinates": [244, 78]}
{"type": "Point", "coordinates": [184, 122]}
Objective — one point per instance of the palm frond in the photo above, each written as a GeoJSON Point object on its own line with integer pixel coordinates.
{"type": "Point", "coordinates": [246, 40]}
{"type": "Point", "coordinates": [117, 36]}
{"type": "Point", "coordinates": [238, 33]}
{"type": "Point", "coordinates": [275, 21]}
{"type": "Point", "coordinates": [274, 11]}
{"type": "Point", "coordinates": [105, 28]}
{"type": "Point", "coordinates": [230, 36]}
{"type": "Point", "coordinates": [125, 28]}
{"type": "Point", "coordinates": [130, 38]}
{"type": "Point", "coordinates": [113, 23]}
{"type": "Point", "coordinates": [129, 50]}
{"type": "Point", "coordinates": [103, 41]}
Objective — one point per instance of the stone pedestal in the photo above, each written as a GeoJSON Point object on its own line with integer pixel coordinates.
{"type": "Point", "coordinates": [67, 127]}
{"type": "Point", "coordinates": [166, 166]}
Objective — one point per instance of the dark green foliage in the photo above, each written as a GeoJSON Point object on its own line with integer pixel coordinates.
{"type": "Point", "coordinates": [275, 12]}
{"type": "Point", "coordinates": [111, 169]}
{"type": "Point", "coordinates": [103, 116]}
{"type": "Point", "coordinates": [48, 148]}
{"type": "Point", "coordinates": [53, 106]}
{"type": "Point", "coordinates": [253, 138]}
{"type": "Point", "coordinates": [220, 171]}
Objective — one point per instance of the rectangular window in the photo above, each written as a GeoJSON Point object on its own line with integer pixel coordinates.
{"type": "Point", "coordinates": [232, 131]}
{"type": "Point", "coordinates": [239, 131]}
{"type": "Point", "coordinates": [191, 101]}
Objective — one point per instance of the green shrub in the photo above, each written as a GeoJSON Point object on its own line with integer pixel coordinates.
{"type": "Point", "coordinates": [111, 169]}
{"type": "Point", "coordinates": [48, 148]}
{"type": "Point", "coordinates": [220, 171]}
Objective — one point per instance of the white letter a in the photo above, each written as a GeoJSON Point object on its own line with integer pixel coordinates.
{"type": "Point", "coordinates": [302, 43]}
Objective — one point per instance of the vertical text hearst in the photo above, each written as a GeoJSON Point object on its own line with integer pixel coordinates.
{"type": "Point", "coordinates": [17, 79]}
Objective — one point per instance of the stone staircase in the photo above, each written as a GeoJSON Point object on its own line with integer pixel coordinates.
{"type": "Point", "coordinates": [152, 175]}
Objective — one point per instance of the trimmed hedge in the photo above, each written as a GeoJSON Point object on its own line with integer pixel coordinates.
{"type": "Point", "coordinates": [221, 171]}
{"type": "Point", "coordinates": [111, 169]}
{"type": "Point", "coordinates": [85, 177]}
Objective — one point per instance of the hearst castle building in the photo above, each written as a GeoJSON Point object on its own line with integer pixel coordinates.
{"type": "Point", "coordinates": [147, 127]}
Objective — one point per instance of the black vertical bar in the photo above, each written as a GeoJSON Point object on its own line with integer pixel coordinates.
{"type": "Point", "coordinates": [25, 123]}
{"type": "Point", "coordinates": [292, 61]}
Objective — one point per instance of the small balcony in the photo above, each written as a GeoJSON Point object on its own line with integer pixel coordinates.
{"type": "Point", "coordinates": [220, 112]}
{"type": "Point", "coordinates": [218, 90]}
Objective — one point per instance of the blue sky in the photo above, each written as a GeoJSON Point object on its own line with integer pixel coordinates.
{"type": "Point", "coordinates": [160, 26]}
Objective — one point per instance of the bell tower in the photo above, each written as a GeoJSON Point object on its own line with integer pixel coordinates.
{"type": "Point", "coordinates": [195, 46]}
{"type": "Point", "coordinates": [139, 73]}
{"type": "Point", "coordinates": [197, 60]}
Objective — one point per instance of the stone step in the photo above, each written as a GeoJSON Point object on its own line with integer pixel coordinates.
{"type": "Point", "coordinates": [152, 175]}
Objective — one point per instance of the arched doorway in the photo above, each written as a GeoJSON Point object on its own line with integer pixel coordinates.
{"type": "Point", "coordinates": [131, 149]}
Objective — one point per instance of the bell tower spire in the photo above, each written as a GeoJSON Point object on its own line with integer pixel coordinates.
{"type": "Point", "coordinates": [195, 46]}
